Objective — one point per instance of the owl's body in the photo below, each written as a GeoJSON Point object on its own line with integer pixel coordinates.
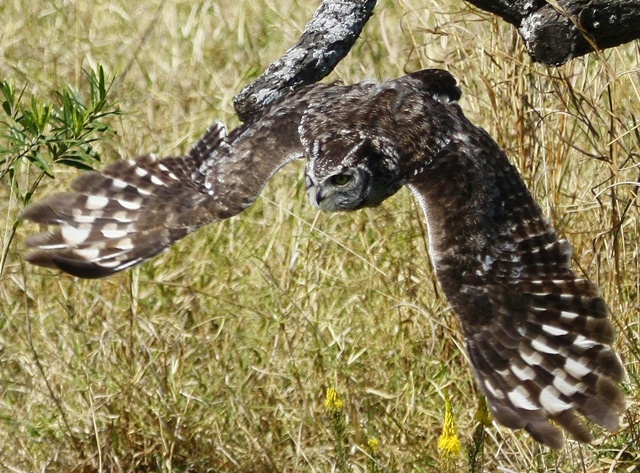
{"type": "Point", "coordinates": [537, 335]}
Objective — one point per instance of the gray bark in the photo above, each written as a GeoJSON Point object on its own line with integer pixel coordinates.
{"type": "Point", "coordinates": [327, 38]}
{"type": "Point", "coordinates": [555, 32]}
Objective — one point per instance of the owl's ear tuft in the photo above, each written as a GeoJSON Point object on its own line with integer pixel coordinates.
{"type": "Point", "coordinates": [439, 83]}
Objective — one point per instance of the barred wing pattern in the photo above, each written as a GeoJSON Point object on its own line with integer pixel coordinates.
{"type": "Point", "coordinates": [537, 335]}
{"type": "Point", "coordinates": [134, 209]}
{"type": "Point", "coordinates": [127, 213]}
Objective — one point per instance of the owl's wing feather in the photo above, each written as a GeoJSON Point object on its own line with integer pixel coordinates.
{"type": "Point", "coordinates": [547, 356]}
{"type": "Point", "coordinates": [134, 209]}
{"type": "Point", "coordinates": [127, 213]}
{"type": "Point", "coordinates": [536, 334]}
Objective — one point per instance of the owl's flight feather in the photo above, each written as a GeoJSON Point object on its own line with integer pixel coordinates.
{"type": "Point", "coordinates": [537, 335]}
{"type": "Point", "coordinates": [127, 213]}
{"type": "Point", "coordinates": [134, 209]}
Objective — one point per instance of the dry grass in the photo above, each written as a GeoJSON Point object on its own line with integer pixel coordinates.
{"type": "Point", "coordinates": [217, 355]}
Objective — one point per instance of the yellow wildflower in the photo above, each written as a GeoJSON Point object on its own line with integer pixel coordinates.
{"type": "Point", "coordinates": [372, 462]}
{"type": "Point", "coordinates": [482, 413]}
{"type": "Point", "coordinates": [374, 444]}
{"type": "Point", "coordinates": [449, 443]}
{"type": "Point", "coordinates": [333, 403]}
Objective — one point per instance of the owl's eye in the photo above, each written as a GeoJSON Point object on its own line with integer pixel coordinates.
{"type": "Point", "coordinates": [340, 179]}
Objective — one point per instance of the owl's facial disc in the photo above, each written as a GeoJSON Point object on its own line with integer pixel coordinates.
{"type": "Point", "coordinates": [347, 171]}
{"type": "Point", "coordinates": [344, 190]}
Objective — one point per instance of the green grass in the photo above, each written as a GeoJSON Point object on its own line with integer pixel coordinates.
{"type": "Point", "coordinates": [217, 355]}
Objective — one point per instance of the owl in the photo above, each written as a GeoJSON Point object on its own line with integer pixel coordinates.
{"type": "Point", "coordinates": [537, 335]}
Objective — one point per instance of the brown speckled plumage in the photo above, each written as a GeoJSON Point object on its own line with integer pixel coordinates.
{"type": "Point", "coordinates": [537, 335]}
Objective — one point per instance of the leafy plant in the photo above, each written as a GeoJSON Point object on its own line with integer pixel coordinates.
{"type": "Point", "coordinates": [44, 135]}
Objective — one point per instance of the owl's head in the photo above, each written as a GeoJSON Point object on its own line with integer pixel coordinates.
{"type": "Point", "coordinates": [347, 172]}
{"type": "Point", "coordinates": [364, 142]}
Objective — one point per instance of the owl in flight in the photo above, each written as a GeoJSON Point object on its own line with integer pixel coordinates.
{"type": "Point", "coordinates": [537, 335]}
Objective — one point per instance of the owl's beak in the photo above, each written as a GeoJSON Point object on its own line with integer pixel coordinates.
{"type": "Point", "coordinates": [320, 195]}
{"type": "Point", "coordinates": [316, 195]}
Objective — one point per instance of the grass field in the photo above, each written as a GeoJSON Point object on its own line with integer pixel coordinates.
{"type": "Point", "coordinates": [218, 355]}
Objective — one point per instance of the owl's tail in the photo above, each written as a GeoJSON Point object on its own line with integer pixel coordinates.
{"type": "Point", "coordinates": [129, 212]}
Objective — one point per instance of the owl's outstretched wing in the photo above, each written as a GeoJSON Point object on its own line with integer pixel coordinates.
{"type": "Point", "coordinates": [536, 334]}
{"type": "Point", "coordinates": [134, 209]}
{"type": "Point", "coordinates": [128, 212]}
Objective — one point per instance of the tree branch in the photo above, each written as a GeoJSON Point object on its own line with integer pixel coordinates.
{"type": "Point", "coordinates": [557, 31]}
{"type": "Point", "coordinates": [327, 38]}
{"type": "Point", "coordinates": [554, 31]}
